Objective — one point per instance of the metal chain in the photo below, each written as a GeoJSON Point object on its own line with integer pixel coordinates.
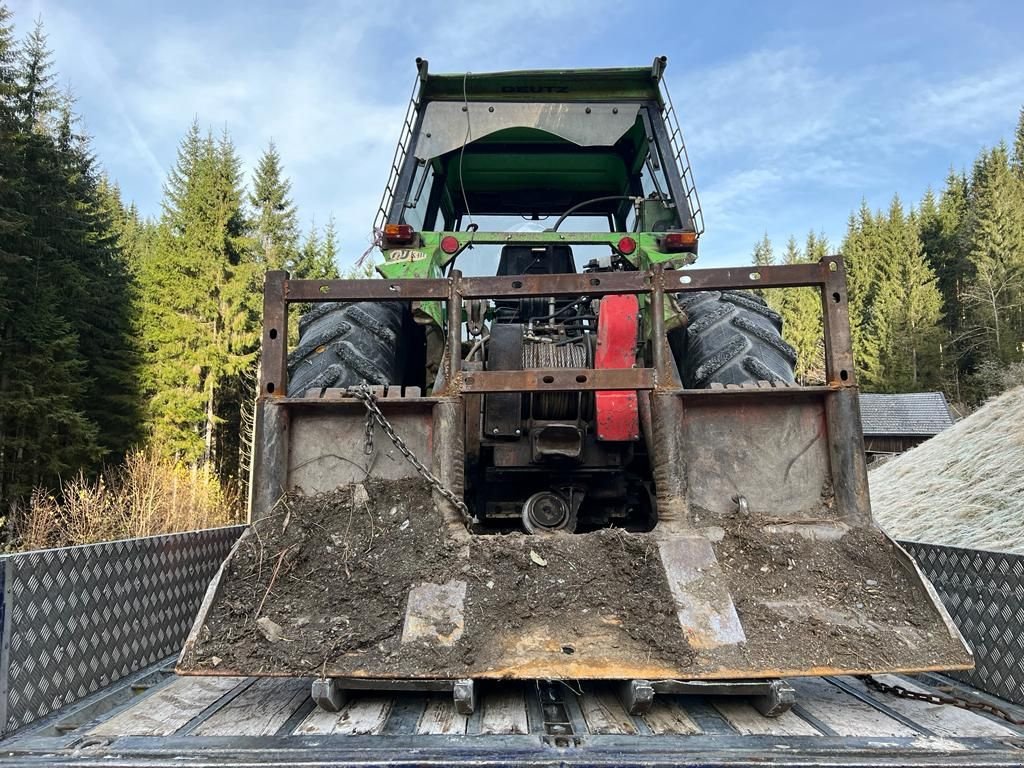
{"type": "Point", "coordinates": [938, 698]}
{"type": "Point", "coordinates": [374, 416]}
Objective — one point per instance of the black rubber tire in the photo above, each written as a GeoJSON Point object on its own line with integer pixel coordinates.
{"type": "Point", "coordinates": [344, 344]}
{"type": "Point", "coordinates": [731, 337]}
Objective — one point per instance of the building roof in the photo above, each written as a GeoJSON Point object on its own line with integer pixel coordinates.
{"type": "Point", "coordinates": [912, 414]}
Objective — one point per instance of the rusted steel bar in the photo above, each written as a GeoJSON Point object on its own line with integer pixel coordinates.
{"type": "Point", "coordinates": [846, 451]}
{"type": "Point", "coordinates": [270, 453]}
{"type": "Point", "coordinates": [274, 361]}
{"type": "Point", "coordinates": [454, 329]}
{"type": "Point", "coordinates": [408, 289]}
{"type": "Point", "coordinates": [558, 380]}
{"type": "Point", "coordinates": [661, 353]}
{"type": "Point", "coordinates": [587, 284]}
{"type": "Point", "coordinates": [781, 276]}
{"type": "Point", "coordinates": [835, 305]}
{"type": "Point", "coordinates": [668, 460]}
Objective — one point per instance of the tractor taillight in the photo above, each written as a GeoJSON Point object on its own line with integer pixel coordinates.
{"type": "Point", "coordinates": [449, 244]}
{"type": "Point", "coordinates": [627, 245]}
{"type": "Point", "coordinates": [678, 241]}
{"type": "Point", "coordinates": [398, 234]}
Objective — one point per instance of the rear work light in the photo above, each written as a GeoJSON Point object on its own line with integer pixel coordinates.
{"type": "Point", "coordinates": [678, 241]}
{"type": "Point", "coordinates": [626, 246]}
{"type": "Point", "coordinates": [398, 234]}
{"type": "Point", "coordinates": [449, 244]}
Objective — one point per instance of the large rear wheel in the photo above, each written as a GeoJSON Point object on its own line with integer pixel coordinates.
{"type": "Point", "coordinates": [731, 337]}
{"type": "Point", "coordinates": [344, 344]}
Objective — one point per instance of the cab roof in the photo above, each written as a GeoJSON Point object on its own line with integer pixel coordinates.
{"type": "Point", "coordinates": [640, 84]}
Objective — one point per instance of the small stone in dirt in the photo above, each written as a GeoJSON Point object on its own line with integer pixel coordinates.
{"type": "Point", "coordinates": [215, 661]}
{"type": "Point", "coordinates": [403, 526]}
{"type": "Point", "coordinates": [359, 495]}
{"type": "Point", "coordinates": [270, 629]}
{"type": "Point", "coordinates": [489, 585]}
{"type": "Point", "coordinates": [538, 559]}
{"type": "Point", "coordinates": [871, 582]}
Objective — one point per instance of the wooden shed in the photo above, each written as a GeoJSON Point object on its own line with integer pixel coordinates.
{"type": "Point", "coordinates": [896, 423]}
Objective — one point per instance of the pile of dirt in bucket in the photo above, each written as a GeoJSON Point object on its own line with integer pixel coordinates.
{"type": "Point", "coordinates": [846, 600]}
{"type": "Point", "coordinates": [324, 583]}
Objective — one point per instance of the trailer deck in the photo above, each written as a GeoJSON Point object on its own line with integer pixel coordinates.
{"type": "Point", "coordinates": [158, 719]}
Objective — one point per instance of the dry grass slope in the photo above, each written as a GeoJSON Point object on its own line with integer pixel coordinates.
{"type": "Point", "coordinates": [964, 487]}
{"type": "Point", "coordinates": [147, 495]}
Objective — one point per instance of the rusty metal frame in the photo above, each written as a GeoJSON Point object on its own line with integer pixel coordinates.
{"type": "Point", "coordinates": [662, 406]}
{"type": "Point", "coordinates": [826, 275]}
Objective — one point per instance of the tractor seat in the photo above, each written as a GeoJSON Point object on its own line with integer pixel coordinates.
{"type": "Point", "coordinates": [531, 260]}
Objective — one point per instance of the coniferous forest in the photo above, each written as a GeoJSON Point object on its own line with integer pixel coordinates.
{"type": "Point", "coordinates": [119, 333]}
{"type": "Point", "coordinates": [133, 342]}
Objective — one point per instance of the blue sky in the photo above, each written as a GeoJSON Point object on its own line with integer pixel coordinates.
{"type": "Point", "coordinates": [792, 111]}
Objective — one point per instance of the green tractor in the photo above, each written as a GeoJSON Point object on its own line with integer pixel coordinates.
{"type": "Point", "coordinates": [628, 483]}
{"type": "Point", "coordinates": [542, 173]}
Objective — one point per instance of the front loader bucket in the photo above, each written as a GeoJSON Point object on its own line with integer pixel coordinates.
{"type": "Point", "coordinates": [765, 561]}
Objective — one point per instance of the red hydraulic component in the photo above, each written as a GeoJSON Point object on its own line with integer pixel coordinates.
{"type": "Point", "coordinates": [617, 330]}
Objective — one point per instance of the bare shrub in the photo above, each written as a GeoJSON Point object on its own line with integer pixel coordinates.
{"type": "Point", "coordinates": [146, 495]}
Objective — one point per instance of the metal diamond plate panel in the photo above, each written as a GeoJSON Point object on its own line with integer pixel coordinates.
{"type": "Point", "coordinates": [79, 618]}
{"type": "Point", "coordinates": [984, 593]}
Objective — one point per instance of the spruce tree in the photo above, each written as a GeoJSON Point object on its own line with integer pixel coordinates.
{"type": "Point", "coordinates": [98, 301]}
{"type": "Point", "coordinates": [908, 309]}
{"type": "Point", "coordinates": [800, 309]}
{"type": "Point", "coordinates": [763, 256]}
{"type": "Point", "coordinates": [326, 265]}
{"type": "Point", "coordinates": [1017, 161]}
{"type": "Point", "coordinates": [201, 299]}
{"type": "Point", "coordinates": [46, 430]}
{"type": "Point", "coordinates": [861, 250]}
{"type": "Point", "coordinates": [994, 295]}
{"type": "Point", "coordinates": [318, 256]}
{"type": "Point", "coordinates": [274, 217]}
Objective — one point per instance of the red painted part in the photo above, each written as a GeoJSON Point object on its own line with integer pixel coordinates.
{"type": "Point", "coordinates": [617, 330]}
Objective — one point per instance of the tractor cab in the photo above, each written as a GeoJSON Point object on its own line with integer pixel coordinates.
{"type": "Point", "coordinates": [590, 159]}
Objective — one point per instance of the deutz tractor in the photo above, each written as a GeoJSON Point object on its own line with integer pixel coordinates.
{"type": "Point", "coordinates": [598, 423]}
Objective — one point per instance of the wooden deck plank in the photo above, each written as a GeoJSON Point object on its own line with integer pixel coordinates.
{"type": "Point", "coordinates": [942, 719]}
{"type": "Point", "coordinates": [504, 711]}
{"type": "Point", "coordinates": [260, 710]}
{"type": "Point", "coordinates": [440, 716]}
{"type": "Point", "coordinates": [747, 720]}
{"type": "Point", "coordinates": [169, 708]}
{"type": "Point", "coordinates": [604, 713]}
{"type": "Point", "coordinates": [843, 713]}
{"type": "Point", "coordinates": [362, 715]}
{"type": "Point", "coordinates": [667, 715]}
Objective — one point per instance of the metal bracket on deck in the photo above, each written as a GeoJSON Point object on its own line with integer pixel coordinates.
{"type": "Point", "coordinates": [330, 694]}
{"type": "Point", "coordinates": [769, 697]}
{"type": "Point", "coordinates": [464, 695]}
{"type": "Point", "coordinates": [327, 695]}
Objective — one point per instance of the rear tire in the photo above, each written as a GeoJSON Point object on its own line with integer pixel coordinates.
{"type": "Point", "coordinates": [345, 344]}
{"type": "Point", "coordinates": [731, 337]}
